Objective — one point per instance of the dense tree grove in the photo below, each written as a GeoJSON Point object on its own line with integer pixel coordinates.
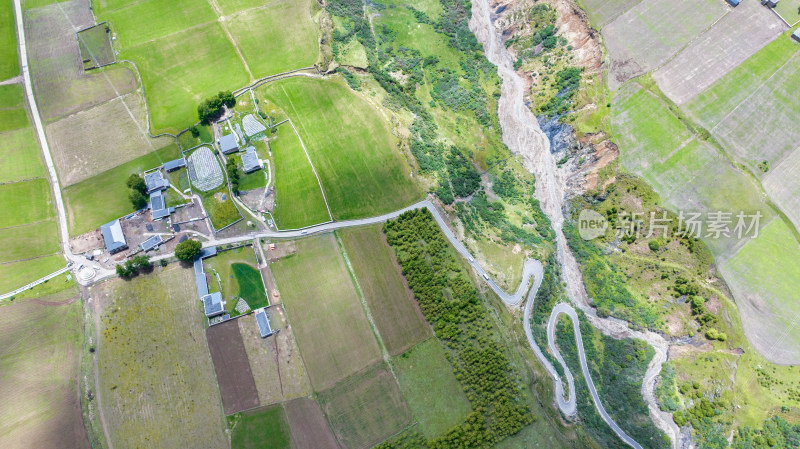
{"type": "Point", "coordinates": [138, 191]}
{"type": "Point", "coordinates": [188, 249]}
{"type": "Point", "coordinates": [133, 266]}
{"type": "Point", "coordinates": [233, 174]}
{"type": "Point", "coordinates": [451, 304]}
{"type": "Point", "coordinates": [210, 109]}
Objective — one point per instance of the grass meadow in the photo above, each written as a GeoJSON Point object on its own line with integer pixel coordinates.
{"type": "Point", "coordinates": [109, 190]}
{"type": "Point", "coordinates": [260, 429]}
{"type": "Point", "coordinates": [603, 12]}
{"type": "Point", "coordinates": [436, 398]}
{"type": "Point", "coordinates": [331, 329]}
{"type": "Point", "coordinates": [138, 23]}
{"type": "Point", "coordinates": [95, 45]}
{"type": "Point", "coordinates": [366, 408]}
{"type": "Point", "coordinates": [16, 274]}
{"type": "Point", "coordinates": [9, 62]}
{"type": "Point", "coordinates": [25, 202]}
{"type": "Point", "coordinates": [239, 277]}
{"type": "Point", "coordinates": [298, 195]}
{"type": "Point", "coordinates": [21, 156]}
{"type": "Point", "coordinates": [156, 375]}
{"type": "Point", "coordinates": [31, 240]}
{"type": "Point", "coordinates": [40, 347]}
{"type": "Point", "coordinates": [350, 145]}
{"type": "Point", "coordinates": [12, 96]}
{"type": "Point", "coordinates": [393, 307]}
{"type": "Point", "coordinates": [266, 46]}
{"type": "Point", "coordinates": [11, 119]}
{"type": "Point", "coordinates": [221, 212]}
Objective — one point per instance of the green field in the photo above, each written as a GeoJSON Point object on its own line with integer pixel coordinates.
{"type": "Point", "coordinates": [142, 22]}
{"type": "Point", "coordinates": [266, 46]}
{"type": "Point", "coordinates": [602, 12]}
{"type": "Point", "coordinates": [763, 276]}
{"type": "Point", "coordinates": [16, 274]}
{"type": "Point", "coordinates": [31, 240]}
{"type": "Point", "coordinates": [40, 348]}
{"type": "Point", "coordinates": [350, 145]}
{"type": "Point", "coordinates": [12, 96]}
{"type": "Point", "coordinates": [156, 376]}
{"type": "Point", "coordinates": [21, 159]}
{"type": "Point", "coordinates": [251, 287]}
{"type": "Point", "coordinates": [366, 408]}
{"type": "Point", "coordinates": [25, 202]}
{"type": "Point", "coordinates": [298, 198]}
{"type": "Point", "coordinates": [331, 329]}
{"type": "Point", "coordinates": [179, 70]}
{"type": "Point", "coordinates": [9, 63]}
{"type": "Point", "coordinates": [789, 10]}
{"type": "Point", "coordinates": [260, 429]}
{"type": "Point", "coordinates": [95, 45]}
{"type": "Point", "coordinates": [239, 277]}
{"type": "Point", "coordinates": [435, 396]}
{"type": "Point", "coordinates": [254, 180]}
{"type": "Point", "coordinates": [109, 190]}
{"type": "Point", "coordinates": [11, 119]}
{"type": "Point", "coordinates": [221, 212]}
{"type": "Point", "coordinates": [394, 310]}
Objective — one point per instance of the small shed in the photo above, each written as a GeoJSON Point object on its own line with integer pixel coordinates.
{"type": "Point", "coordinates": [174, 165]}
{"type": "Point", "coordinates": [771, 3]}
{"type": "Point", "coordinates": [152, 243]}
{"type": "Point", "coordinates": [212, 304]}
{"type": "Point", "coordinates": [733, 3]}
{"type": "Point", "coordinates": [228, 144]}
{"type": "Point", "coordinates": [796, 35]}
{"type": "Point", "coordinates": [113, 237]}
{"type": "Point", "coordinates": [250, 160]}
{"type": "Point", "coordinates": [263, 323]}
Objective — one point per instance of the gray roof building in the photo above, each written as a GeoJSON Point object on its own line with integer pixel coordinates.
{"type": "Point", "coordinates": [250, 160]}
{"type": "Point", "coordinates": [207, 252]}
{"type": "Point", "coordinates": [155, 181]}
{"type": "Point", "coordinates": [212, 304]}
{"type": "Point", "coordinates": [158, 205]}
{"type": "Point", "coordinates": [174, 165]}
{"type": "Point", "coordinates": [200, 278]}
{"type": "Point", "coordinates": [113, 237]}
{"type": "Point", "coordinates": [263, 323]}
{"type": "Point", "coordinates": [152, 243]}
{"type": "Point", "coordinates": [228, 144]}
{"type": "Point", "coordinates": [796, 35]}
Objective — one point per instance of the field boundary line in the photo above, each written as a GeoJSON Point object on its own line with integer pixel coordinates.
{"type": "Point", "coordinates": [5, 183]}
{"type": "Point", "coordinates": [29, 258]}
{"type": "Point", "coordinates": [319, 182]}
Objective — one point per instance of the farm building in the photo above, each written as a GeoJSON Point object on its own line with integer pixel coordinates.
{"type": "Point", "coordinates": [174, 165]}
{"type": "Point", "coordinates": [200, 278]}
{"type": "Point", "coordinates": [155, 181]}
{"type": "Point", "coordinates": [212, 304]}
{"type": "Point", "coordinates": [734, 3]}
{"type": "Point", "coordinates": [796, 35]}
{"type": "Point", "coordinates": [158, 205]}
{"type": "Point", "coordinates": [113, 237]}
{"type": "Point", "coordinates": [250, 160]}
{"type": "Point", "coordinates": [228, 144]}
{"type": "Point", "coordinates": [263, 323]}
{"type": "Point", "coordinates": [152, 243]}
{"type": "Point", "coordinates": [771, 3]}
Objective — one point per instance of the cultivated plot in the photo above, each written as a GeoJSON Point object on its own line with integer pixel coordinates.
{"type": "Point", "coordinates": [61, 86]}
{"type": "Point", "coordinates": [350, 146]}
{"type": "Point", "coordinates": [264, 428]}
{"type": "Point", "coordinates": [391, 303]}
{"type": "Point", "coordinates": [732, 40]}
{"type": "Point", "coordinates": [40, 347]}
{"type": "Point", "coordinates": [236, 384]}
{"type": "Point", "coordinates": [332, 331]}
{"type": "Point", "coordinates": [366, 408]}
{"type": "Point", "coordinates": [156, 377]}
{"type": "Point", "coordinates": [436, 398]}
{"type": "Point", "coordinates": [645, 37]}
{"type": "Point", "coordinates": [763, 277]}
{"type": "Point", "coordinates": [308, 426]}
{"type": "Point", "coordinates": [298, 195]}
{"type": "Point", "coordinates": [100, 138]}
{"type": "Point", "coordinates": [603, 12]}
{"type": "Point", "coordinates": [95, 45]}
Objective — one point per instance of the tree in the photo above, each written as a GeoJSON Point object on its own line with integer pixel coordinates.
{"type": "Point", "coordinates": [138, 200]}
{"type": "Point", "coordinates": [142, 262]}
{"type": "Point", "coordinates": [136, 182]}
{"type": "Point", "coordinates": [188, 249]}
{"type": "Point", "coordinates": [124, 271]}
{"type": "Point", "coordinates": [195, 132]}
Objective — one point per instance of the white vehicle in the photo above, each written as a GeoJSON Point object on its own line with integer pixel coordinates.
{"type": "Point", "coordinates": [486, 276]}
{"type": "Point", "coordinates": [471, 259]}
{"type": "Point", "coordinates": [303, 232]}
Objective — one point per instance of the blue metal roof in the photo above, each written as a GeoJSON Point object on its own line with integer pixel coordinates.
{"type": "Point", "coordinates": [207, 252]}
{"type": "Point", "coordinates": [113, 236]}
{"type": "Point", "coordinates": [174, 165]}
{"type": "Point", "coordinates": [263, 323]}
{"type": "Point", "coordinates": [250, 160]}
{"type": "Point", "coordinates": [228, 143]}
{"type": "Point", "coordinates": [200, 278]}
{"type": "Point", "coordinates": [212, 304]}
{"type": "Point", "coordinates": [152, 242]}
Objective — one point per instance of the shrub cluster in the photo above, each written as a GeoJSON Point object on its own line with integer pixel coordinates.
{"type": "Point", "coordinates": [138, 191]}
{"type": "Point", "coordinates": [133, 266]}
{"type": "Point", "coordinates": [210, 109]}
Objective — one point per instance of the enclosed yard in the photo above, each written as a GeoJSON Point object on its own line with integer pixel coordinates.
{"type": "Point", "coordinates": [40, 347]}
{"type": "Point", "coordinates": [95, 46]}
{"type": "Point", "coordinates": [298, 195]}
{"type": "Point", "coordinates": [261, 429]}
{"type": "Point", "coordinates": [236, 384]}
{"type": "Point", "coordinates": [393, 307]}
{"type": "Point", "coordinates": [739, 35]}
{"type": "Point", "coordinates": [156, 376]}
{"type": "Point", "coordinates": [366, 408]}
{"type": "Point", "coordinates": [436, 398]}
{"type": "Point", "coordinates": [645, 37]}
{"type": "Point", "coordinates": [332, 331]}
{"type": "Point", "coordinates": [240, 278]}
{"type": "Point", "coordinates": [308, 426]}
{"type": "Point", "coordinates": [763, 277]}
{"type": "Point", "coordinates": [350, 145]}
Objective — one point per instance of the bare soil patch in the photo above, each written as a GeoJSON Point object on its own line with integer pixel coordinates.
{"type": "Point", "coordinates": [308, 425]}
{"type": "Point", "coordinates": [235, 379]}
